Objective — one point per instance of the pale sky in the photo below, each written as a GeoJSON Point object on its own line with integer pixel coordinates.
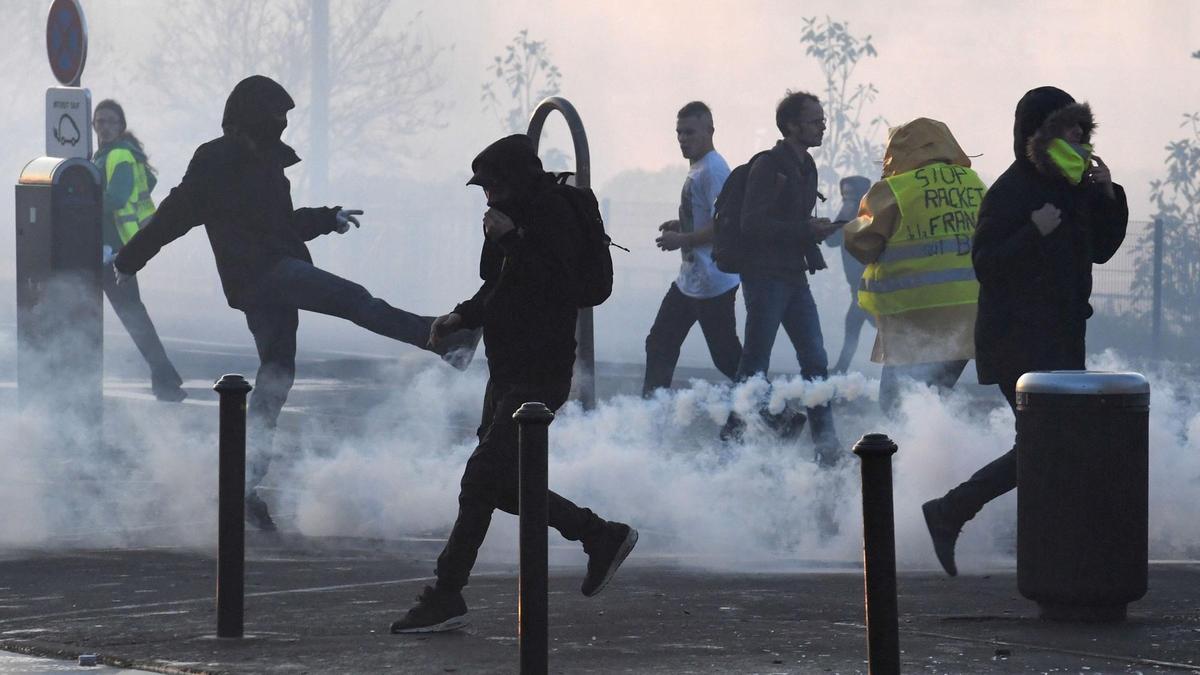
{"type": "Point", "coordinates": [628, 66]}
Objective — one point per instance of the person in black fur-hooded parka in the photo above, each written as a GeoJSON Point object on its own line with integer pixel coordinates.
{"type": "Point", "coordinates": [1050, 216]}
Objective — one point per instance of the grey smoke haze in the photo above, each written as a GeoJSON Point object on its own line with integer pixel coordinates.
{"type": "Point", "coordinates": [627, 67]}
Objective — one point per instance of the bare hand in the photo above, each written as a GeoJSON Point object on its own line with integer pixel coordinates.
{"type": "Point", "coordinates": [344, 218]}
{"type": "Point", "coordinates": [443, 326]}
{"type": "Point", "coordinates": [1047, 218]}
{"type": "Point", "coordinates": [821, 228]}
{"type": "Point", "coordinates": [1102, 176]}
{"type": "Point", "coordinates": [496, 224]}
{"type": "Point", "coordinates": [671, 240]}
{"type": "Point", "coordinates": [669, 226]}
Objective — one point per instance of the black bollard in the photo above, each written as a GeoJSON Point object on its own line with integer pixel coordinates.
{"type": "Point", "coordinates": [879, 554]}
{"type": "Point", "coordinates": [532, 606]}
{"type": "Point", "coordinates": [231, 506]}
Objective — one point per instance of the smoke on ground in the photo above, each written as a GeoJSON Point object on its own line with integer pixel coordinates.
{"type": "Point", "coordinates": [657, 464]}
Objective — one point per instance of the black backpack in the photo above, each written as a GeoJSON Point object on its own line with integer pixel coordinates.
{"type": "Point", "coordinates": [727, 220]}
{"type": "Point", "coordinates": [595, 262]}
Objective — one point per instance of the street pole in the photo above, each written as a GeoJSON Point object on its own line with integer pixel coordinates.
{"type": "Point", "coordinates": [533, 420]}
{"type": "Point", "coordinates": [318, 164]}
{"type": "Point", "coordinates": [879, 554]}
{"type": "Point", "coordinates": [585, 331]}
{"type": "Point", "coordinates": [231, 506]}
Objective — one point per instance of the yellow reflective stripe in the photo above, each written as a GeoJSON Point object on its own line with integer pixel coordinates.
{"type": "Point", "coordinates": [927, 261]}
{"type": "Point", "coordinates": [924, 297]}
{"type": "Point", "coordinates": [130, 217]}
{"type": "Point", "coordinates": [917, 280]}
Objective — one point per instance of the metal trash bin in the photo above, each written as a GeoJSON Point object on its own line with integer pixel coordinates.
{"type": "Point", "coordinates": [1083, 492]}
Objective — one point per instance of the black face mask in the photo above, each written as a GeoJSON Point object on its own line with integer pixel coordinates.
{"type": "Point", "coordinates": [266, 131]}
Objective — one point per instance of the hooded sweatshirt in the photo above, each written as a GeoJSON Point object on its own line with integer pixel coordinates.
{"type": "Point", "coordinates": [526, 304]}
{"type": "Point", "coordinates": [1034, 289]}
{"type": "Point", "coordinates": [236, 188]}
{"type": "Point", "coordinates": [931, 335]}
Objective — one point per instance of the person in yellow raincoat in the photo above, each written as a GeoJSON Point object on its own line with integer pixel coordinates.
{"type": "Point", "coordinates": [914, 232]}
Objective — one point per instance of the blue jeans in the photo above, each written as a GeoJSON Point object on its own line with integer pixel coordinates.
{"type": "Point", "coordinates": [770, 303]}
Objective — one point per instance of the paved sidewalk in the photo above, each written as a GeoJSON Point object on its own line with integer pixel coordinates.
{"type": "Point", "coordinates": [324, 606]}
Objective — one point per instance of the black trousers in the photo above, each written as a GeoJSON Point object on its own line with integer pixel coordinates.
{"type": "Point", "coordinates": [994, 479]}
{"type": "Point", "coordinates": [676, 316]}
{"type": "Point", "coordinates": [491, 480]}
{"type": "Point", "coordinates": [273, 317]}
{"type": "Point", "coordinates": [126, 302]}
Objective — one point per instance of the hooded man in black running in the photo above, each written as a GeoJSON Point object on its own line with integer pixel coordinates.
{"type": "Point", "coordinates": [235, 186]}
{"type": "Point", "coordinates": [527, 309]}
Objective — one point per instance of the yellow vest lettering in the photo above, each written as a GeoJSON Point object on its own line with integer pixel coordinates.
{"type": "Point", "coordinates": [927, 261]}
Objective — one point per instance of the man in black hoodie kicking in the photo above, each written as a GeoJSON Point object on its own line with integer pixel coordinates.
{"type": "Point", "coordinates": [1049, 217]}
{"type": "Point", "coordinates": [527, 308]}
{"type": "Point", "coordinates": [235, 186]}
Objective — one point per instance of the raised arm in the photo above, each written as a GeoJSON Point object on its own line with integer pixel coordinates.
{"type": "Point", "coordinates": [189, 204]}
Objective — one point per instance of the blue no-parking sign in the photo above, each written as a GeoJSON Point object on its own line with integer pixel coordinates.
{"type": "Point", "coordinates": [66, 41]}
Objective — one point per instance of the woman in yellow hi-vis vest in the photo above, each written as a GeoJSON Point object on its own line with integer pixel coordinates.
{"type": "Point", "coordinates": [914, 232]}
{"type": "Point", "coordinates": [128, 181]}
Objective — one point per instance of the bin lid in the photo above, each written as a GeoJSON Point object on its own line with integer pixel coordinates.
{"type": "Point", "coordinates": [46, 170]}
{"type": "Point", "coordinates": [1082, 383]}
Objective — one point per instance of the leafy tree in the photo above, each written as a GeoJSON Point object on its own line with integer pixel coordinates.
{"type": "Point", "coordinates": [1177, 205]}
{"type": "Point", "coordinates": [523, 76]}
{"type": "Point", "coordinates": [383, 83]}
{"type": "Point", "coordinates": [851, 146]}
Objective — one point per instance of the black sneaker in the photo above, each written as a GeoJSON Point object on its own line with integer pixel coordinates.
{"type": "Point", "coordinates": [734, 429]}
{"type": "Point", "coordinates": [458, 348]}
{"type": "Point", "coordinates": [436, 611]}
{"type": "Point", "coordinates": [787, 424]}
{"type": "Point", "coordinates": [606, 552]}
{"type": "Point", "coordinates": [944, 534]}
{"type": "Point", "coordinates": [257, 513]}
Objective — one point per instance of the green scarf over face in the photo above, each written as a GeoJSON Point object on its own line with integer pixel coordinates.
{"type": "Point", "coordinates": [1071, 159]}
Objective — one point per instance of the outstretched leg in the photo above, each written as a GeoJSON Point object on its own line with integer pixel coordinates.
{"type": "Point", "coordinates": [295, 283]}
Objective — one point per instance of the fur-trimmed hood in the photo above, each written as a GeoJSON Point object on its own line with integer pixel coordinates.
{"type": "Point", "coordinates": [1055, 126]}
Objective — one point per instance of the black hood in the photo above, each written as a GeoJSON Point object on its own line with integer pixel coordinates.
{"type": "Point", "coordinates": [512, 160]}
{"type": "Point", "coordinates": [1032, 110]}
{"type": "Point", "coordinates": [253, 108]}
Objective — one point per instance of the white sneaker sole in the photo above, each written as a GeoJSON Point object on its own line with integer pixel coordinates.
{"type": "Point", "coordinates": [453, 623]}
{"type": "Point", "coordinates": [622, 553]}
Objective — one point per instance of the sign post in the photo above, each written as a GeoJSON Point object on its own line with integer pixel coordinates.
{"type": "Point", "coordinates": [68, 108]}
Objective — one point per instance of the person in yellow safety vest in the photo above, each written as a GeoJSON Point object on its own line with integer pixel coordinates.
{"type": "Point", "coordinates": [914, 232]}
{"type": "Point", "coordinates": [128, 181]}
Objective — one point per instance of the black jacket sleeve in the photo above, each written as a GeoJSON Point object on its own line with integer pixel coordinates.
{"type": "Point", "coordinates": [311, 223]}
{"type": "Point", "coordinates": [189, 204]}
{"type": "Point", "coordinates": [764, 185]}
{"type": "Point", "coordinates": [491, 266]}
{"type": "Point", "coordinates": [1107, 221]}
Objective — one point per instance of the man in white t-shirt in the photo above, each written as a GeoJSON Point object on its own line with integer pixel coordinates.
{"type": "Point", "coordinates": [702, 292]}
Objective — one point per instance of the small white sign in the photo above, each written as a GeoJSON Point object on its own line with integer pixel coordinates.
{"type": "Point", "coordinates": [68, 122]}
